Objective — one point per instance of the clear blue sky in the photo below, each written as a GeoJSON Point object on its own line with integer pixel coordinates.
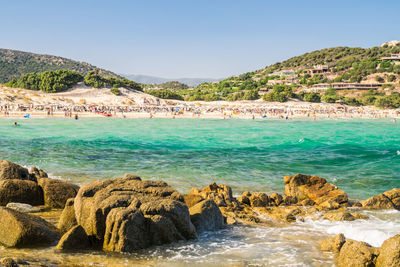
{"type": "Point", "coordinates": [191, 38]}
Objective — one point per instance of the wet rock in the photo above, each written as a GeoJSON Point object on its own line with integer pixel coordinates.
{"type": "Point", "coordinates": [307, 202]}
{"type": "Point", "coordinates": [38, 173]}
{"type": "Point", "coordinates": [8, 262]}
{"type": "Point", "coordinates": [132, 177]}
{"type": "Point", "coordinates": [221, 194]}
{"type": "Point", "coordinates": [10, 170]}
{"type": "Point", "coordinates": [314, 188]}
{"type": "Point", "coordinates": [388, 200]}
{"type": "Point", "coordinates": [22, 207]}
{"type": "Point", "coordinates": [333, 244]}
{"type": "Point", "coordinates": [283, 213]}
{"type": "Point", "coordinates": [206, 216]}
{"type": "Point", "coordinates": [343, 216]}
{"type": "Point", "coordinates": [57, 192]}
{"type": "Point", "coordinates": [289, 200]}
{"type": "Point", "coordinates": [259, 200]}
{"type": "Point", "coordinates": [127, 214]}
{"type": "Point", "coordinates": [21, 191]}
{"type": "Point", "coordinates": [192, 199]}
{"type": "Point", "coordinates": [329, 205]}
{"type": "Point", "coordinates": [244, 200]}
{"type": "Point", "coordinates": [389, 253]}
{"type": "Point", "coordinates": [25, 230]}
{"type": "Point", "coordinates": [276, 198]}
{"type": "Point", "coordinates": [355, 253]}
{"type": "Point", "coordinates": [74, 239]}
{"type": "Point", "coordinates": [67, 219]}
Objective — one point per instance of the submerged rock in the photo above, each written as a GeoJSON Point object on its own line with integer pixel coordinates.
{"type": "Point", "coordinates": [74, 239]}
{"type": "Point", "coordinates": [25, 230]}
{"type": "Point", "coordinates": [57, 192]}
{"type": "Point", "coordinates": [21, 191]}
{"type": "Point", "coordinates": [127, 214]}
{"type": "Point", "coordinates": [388, 200]}
{"type": "Point", "coordinates": [315, 188]}
{"type": "Point", "coordinates": [389, 255]}
{"type": "Point", "coordinates": [206, 216]}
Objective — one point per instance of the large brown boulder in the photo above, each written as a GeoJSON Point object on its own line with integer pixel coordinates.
{"type": "Point", "coordinates": [21, 191]}
{"type": "Point", "coordinates": [388, 200]}
{"type": "Point", "coordinates": [67, 219]}
{"type": "Point", "coordinates": [74, 239]}
{"type": "Point", "coordinates": [206, 216]}
{"type": "Point", "coordinates": [127, 214]}
{"type": "Point", "coordinates": [333, 244]}
{"type": "Point", "coordinates": [356, 253]}
{"type": "Point", "coordinates": [57, 192]}
{"type": "Point", "coordinates": [10, 170]}
{"type": "Point", "coordinates": [389, 255]}
{"type": "Point", "coordinates": [314, 188]}
{"type": "Point", "coordinates": [25, 230]}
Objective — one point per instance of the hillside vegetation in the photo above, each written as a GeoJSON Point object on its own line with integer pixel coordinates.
{"type": "Point", "coordinates": [14, 64]}
{"type": "Point", "coordinates": [61, 80]}
{"type": "Point", "coordinates": [345, 64]}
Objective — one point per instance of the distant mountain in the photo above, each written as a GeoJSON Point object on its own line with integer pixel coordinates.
{"type": "Point", "coordinates": [145, 79]}
{"type": "Point", "coordinates": [14, 64]}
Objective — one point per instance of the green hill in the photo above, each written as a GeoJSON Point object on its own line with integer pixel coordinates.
{"type": "Point", "coordinates": [14, 64]}
{"type": "Point", "coordinates": [346, 64]}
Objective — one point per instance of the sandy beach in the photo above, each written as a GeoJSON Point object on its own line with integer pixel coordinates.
{"type": "Point", "coordinates": [91, 102]}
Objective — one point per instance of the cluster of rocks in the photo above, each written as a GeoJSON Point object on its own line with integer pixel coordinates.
{"type": "Point", "coordinates": [127, 214]}
{"type": "Point", "coordinates": [356, 253]}
{"type": "Point", "coordinates": [18, 185]}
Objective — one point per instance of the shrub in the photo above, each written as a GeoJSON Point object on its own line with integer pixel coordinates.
{"type": "Point", "coordinates": [115, 91]}
{"type": "Point", "coordinates": [49, 81]}
{"type": "Point", "coordinates": [165, 94]}
{"type": "Point", "coordinates": [310, 96]}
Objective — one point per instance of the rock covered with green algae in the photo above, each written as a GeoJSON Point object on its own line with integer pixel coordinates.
{"type": "Point", "coordinates": [127, 214]}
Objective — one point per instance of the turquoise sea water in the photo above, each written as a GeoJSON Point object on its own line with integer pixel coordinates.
{"type": "Point", "coordinates": [360, 156]}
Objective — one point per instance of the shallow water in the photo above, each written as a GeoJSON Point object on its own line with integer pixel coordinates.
{"type": "Point", "coordinates": [360, 156]}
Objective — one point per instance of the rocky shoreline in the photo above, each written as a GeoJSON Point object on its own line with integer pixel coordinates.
{"type": "Point", "coordinates": [128, 214]}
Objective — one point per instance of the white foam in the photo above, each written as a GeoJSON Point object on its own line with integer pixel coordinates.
{"type": "Point", "coordinates": [380, 226]}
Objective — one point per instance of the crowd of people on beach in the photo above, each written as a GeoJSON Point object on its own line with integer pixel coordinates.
{"type": "Point", "coordinates": [206, 110]}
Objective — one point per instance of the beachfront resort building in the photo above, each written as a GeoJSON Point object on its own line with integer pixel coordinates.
{"type": "Point", "coordinates": [392, 58]}
{"type": "Point", "coordinates": [343, 86]}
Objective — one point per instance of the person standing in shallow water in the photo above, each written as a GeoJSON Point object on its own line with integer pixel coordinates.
{"type": "Point", "coordinates": [76, 116]}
